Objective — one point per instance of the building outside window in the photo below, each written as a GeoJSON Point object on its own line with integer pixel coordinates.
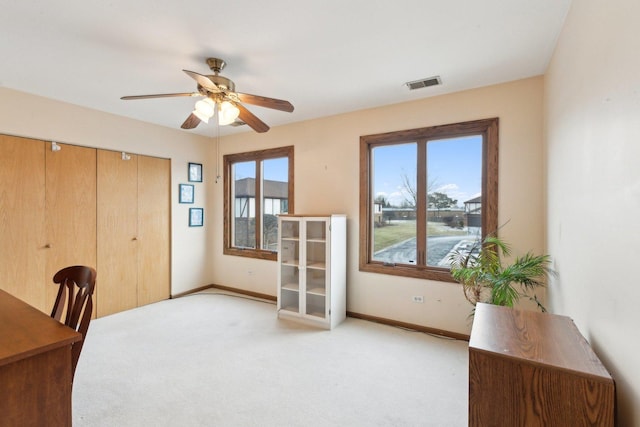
{"type": "Point", "coordinates": [274, 201]}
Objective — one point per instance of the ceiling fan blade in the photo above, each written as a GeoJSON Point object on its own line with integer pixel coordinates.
{"type": "Point", "coordinates": [191, 122]}
{"type": "Point", "coordinates": [203, 81]}
{"type": "Point", "coordinates": [263, 101]}
{"type": "Point", "coordinates": [249, 118]}
{"type": "Point", "coordinates": [161, 95]}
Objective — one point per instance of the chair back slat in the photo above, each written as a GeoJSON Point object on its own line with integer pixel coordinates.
{"type": "Point", "coordinates": [58, 307]}
{"type": "Point", "coordinates": [75, 300]}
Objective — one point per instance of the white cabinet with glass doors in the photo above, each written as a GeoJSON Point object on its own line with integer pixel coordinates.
{"type": "Point", "coordinates": [312, 269]}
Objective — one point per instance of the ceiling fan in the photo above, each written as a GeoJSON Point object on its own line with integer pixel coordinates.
{"type": "Point", "coordinates": [221, 99]}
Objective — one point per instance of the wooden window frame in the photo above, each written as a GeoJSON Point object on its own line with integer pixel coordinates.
{"type": "Point", "coordinates": [489, 129]}
{"type": "Point", "coordinates": [257, 156]}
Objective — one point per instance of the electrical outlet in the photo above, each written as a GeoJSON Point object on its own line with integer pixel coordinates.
{"type": "Point", "coordinates": [417, 298]}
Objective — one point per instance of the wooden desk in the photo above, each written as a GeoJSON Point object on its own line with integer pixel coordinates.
{"type": "Point", "coordinates": [529, 368]}
{"type": "Point", "coordinates": [35, 366]}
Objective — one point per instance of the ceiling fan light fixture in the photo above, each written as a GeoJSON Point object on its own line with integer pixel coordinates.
{"type": "Point", "coordinates": [206, 107]}
{"type": "Point", "coordinates": [202, 117]}
{"type": "Point", "coordinates": [227, 113]}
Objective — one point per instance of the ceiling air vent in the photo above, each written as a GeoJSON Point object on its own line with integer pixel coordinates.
{"type": "Point", "coordinates": [430, 81]}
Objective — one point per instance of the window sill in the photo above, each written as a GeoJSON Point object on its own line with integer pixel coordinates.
{"type": "Point", "coordinates": [429, 273]}
{"type": "Point", "coordinates": [251, 253]}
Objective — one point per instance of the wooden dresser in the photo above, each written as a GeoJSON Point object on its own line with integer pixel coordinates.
{"type": "Point", "coordinates": [534, 369]}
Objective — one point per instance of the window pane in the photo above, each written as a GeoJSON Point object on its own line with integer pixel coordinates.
{"type": "Point", "coordinates": [394, 203]}
{"type": "Point", "coordinates": [454, 184]}
{"type": "Point", "coordinates": [275, 193]}
{"type": "Point", "coordinates": [244, 215]}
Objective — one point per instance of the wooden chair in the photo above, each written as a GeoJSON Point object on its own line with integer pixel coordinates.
{"type": "Point", "coordinates": [75, 301]}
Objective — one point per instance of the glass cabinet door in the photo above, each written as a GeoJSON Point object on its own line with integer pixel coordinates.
{"type": "Point", "coordinates": [290, 265]}
{"type": "Point", "coordinates": [316, 271]}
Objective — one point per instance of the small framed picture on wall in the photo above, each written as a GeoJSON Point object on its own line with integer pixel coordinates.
{"type": "Point", "coordinates": [195, 172]}
{"type": "Point", "coordinates": [196, 217]}
{"type": "Point", "coordinates": [186, 193]}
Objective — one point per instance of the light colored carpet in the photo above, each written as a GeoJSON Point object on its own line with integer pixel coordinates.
{"type": "Point", "coordinates": [211, 359]}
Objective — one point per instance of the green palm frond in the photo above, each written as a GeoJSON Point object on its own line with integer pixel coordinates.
{"type": "Point", "coordinates": [484, 279]}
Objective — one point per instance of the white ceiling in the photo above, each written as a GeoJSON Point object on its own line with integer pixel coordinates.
{"type": "Point", "coordinates": [325, 57]}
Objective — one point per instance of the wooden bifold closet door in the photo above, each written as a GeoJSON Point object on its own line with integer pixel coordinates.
{"type": "Point", "coordinates": [133, 231]}
{"type": "Point", "coordinates": [154, 216]}
{"type": "Point", "coordinates": [117, 232]}
{"type": "Point", "coordinates": [70, 220]}
{"type": "Point", "coordinates": [22, 239]}
{"type": "Point", "coordinates": [47, 215]}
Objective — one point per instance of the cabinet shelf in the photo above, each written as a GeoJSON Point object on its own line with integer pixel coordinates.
{"type": "Point", "coordinates": [317, 265]}
{"type": "Point", "coordinates": [316, 313]}
{"type": "Point", "coordinates": [317, 291]}
{"type": "Point", "coordinates": [291, 287]}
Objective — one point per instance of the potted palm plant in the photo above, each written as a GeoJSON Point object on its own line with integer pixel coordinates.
{"type": "Point", "coordinates": [485, 279]}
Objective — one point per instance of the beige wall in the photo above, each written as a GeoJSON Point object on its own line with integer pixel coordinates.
{"type": "Point", "coordinates": [592, 114]}
{"type": "Point", "coordinates": [326, 181]}
{"type": "Point", "coordinates": [22, 114]}
{"type": "Point", "coordinates": [326, 162]}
